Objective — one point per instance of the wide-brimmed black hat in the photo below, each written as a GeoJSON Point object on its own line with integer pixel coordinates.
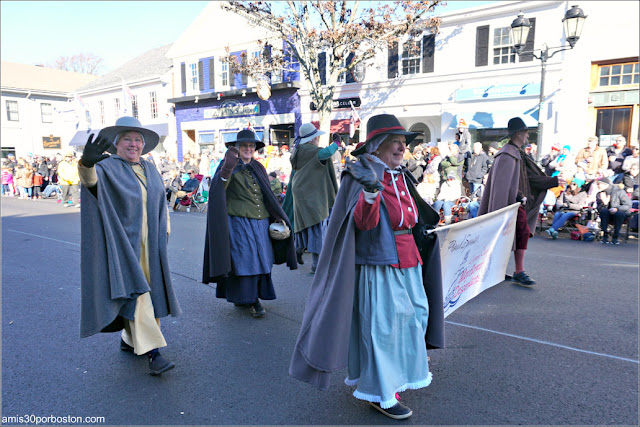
{"type": "Point", "coordinates": [247, 135]}
{"type": "Point", "coordinates": [515, 124]}
{"type": "Point", "coordinates": [383, 124]}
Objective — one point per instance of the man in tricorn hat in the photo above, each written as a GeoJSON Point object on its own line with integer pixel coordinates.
{"type": "Point", "coordinates": [125, 274]}
{"type": "Point", "coordinates": [514, 177]}
{"type": "Point", "coordinates": [238, 252]}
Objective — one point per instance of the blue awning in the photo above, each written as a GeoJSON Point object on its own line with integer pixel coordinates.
{"type": "Point", "coordinates": [80, 138]}
{"type": "Point", "coordinates": [495, 119]}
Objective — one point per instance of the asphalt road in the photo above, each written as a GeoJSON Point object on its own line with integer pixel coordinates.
{"type": "Point", "coordinates": [564, 352]}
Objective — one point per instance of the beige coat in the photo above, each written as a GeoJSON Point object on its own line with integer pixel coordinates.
{"type": "Point", "coordinates": [598, 161]}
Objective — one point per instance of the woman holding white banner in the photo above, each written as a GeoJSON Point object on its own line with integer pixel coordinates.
{"type": "Point", "coordinates": [376, 299]}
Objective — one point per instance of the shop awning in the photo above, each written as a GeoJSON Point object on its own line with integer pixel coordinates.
{"type": "Point", "coordinates": [80, 138]}
{"type": "Point", "coordinates": [494, 119]}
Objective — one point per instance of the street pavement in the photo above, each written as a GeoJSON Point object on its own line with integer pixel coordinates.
{"type": "Point", "coordinates": [563, 352]}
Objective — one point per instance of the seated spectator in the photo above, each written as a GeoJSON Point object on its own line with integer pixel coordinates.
{"type": "Point", "coordinates": [433, 167]}
{"type": "Point", "coordinates": [453, 162]}
{"type": "Point", "coordinates": [593, 159]}
{"type": "Point", "coordinates": [616, 154]}
{"type": "Point", "coordinates": [416, 163]}
{"type": "Point", "coordinates": [546, 160]}
{"type": "Point", "coordinates": [563, 163]}
{"type": "Point", "coordinates": [450, 192]}
{"type": "Point", "coordinates": [568, 206]}
{"type": "Point", "coordinates": [630, 181]}
{"type": "Point", "coordinates": [631, 158]}
{"type": "Point", "coordinates": [613, 204]}
{"type": "Point", "coordinates": [428, 188]}
{"type": "Point", "coordinates": [189, 186]}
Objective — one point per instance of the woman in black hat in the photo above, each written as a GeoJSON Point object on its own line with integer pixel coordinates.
{"type": "Point", "coordinates": [125, 274]}
{"type": "Point", "coordinates": [239, 253]}
{"type": "Point", "coordinates": [377, 294]}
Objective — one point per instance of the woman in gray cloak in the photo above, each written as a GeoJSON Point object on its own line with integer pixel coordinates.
{"type": "Point", "coordinates": [125, 276]}
{"type": "Point", "coordinates": [376, 299]}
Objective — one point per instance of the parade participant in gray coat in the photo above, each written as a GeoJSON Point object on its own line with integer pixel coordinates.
{"type": "Point", "coordinates": [376, 300]}
{"type": "Point", "coordinates": [514, 177]}
{"type": "Point", "coordinates": [125, 274]}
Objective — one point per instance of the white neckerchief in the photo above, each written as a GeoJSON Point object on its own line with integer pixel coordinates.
{"type": "Point", "coordinates": [394, 177]}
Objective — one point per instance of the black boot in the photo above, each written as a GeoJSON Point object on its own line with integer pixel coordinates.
{"type": "Point", "coordinates": [158, 364]}
{"type": "Point", "coordinates": [299, 253]}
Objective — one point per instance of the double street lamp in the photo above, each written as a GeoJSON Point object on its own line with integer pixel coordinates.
{"type": "Point", "coordinates": [573, 22]}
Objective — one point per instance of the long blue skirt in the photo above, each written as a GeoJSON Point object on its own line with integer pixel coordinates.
{"type": "Point", "coordinates": [251, 262]}
{"type": "Point", "coordinates": [387, 351]}
{"type": "Point", "coordinates": [311, 238]}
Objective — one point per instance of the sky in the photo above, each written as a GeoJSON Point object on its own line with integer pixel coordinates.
{"type": "Point", "coordinates": [38, 32]}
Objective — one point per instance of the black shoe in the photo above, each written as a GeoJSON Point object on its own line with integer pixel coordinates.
{"type": "Point", "coordinates": [257, 310]}
{"type": "Point", "coordinates": [605, 240]}
{"type": "Point", "coordinates": [125, 347]}
{"type": "Point", "coordinates": [158, 364]}
{"type": "Point", "coordinates": [299, 258]}
{"type": "Point", "coordinates": [313, 269]}
{"type": "Point", "coordinates": [615, 241]}
{"type": "Point", "coordinates": [397, 412]}
{"type": "Point", "coordinates": [523, 279]}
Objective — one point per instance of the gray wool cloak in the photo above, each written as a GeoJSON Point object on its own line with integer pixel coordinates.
{"type": "Point", "coordinates": [323, 343]}
{"type": "Point", "coordinates": [111, 223]}
{"type": "Point", "coordinates": [513, 173]}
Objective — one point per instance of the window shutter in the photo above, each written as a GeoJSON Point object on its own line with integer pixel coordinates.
{"type": "Point", "coordinates": [245, 76]}
{"type": "Point", "coordinates": [428, 50]}
{"type": "Point", "coordinates": [201, 75]}
{"type": "Point", "coordinates": [392, 63]}
{"type": "Point", "coordinates": [322, 66]}
{"type": "Point", "coordinates": [527, 57]}
{"type": "Point", "coordinates": [212, 75]}
{"type": "Point", "coordinates": [482, 46]}
{"type": "Point", "coordinates": [349, 77]}
{"type": "Point", "coordinates": [183, 78]}
{"type": "Point", "coordinates": [266, 57]}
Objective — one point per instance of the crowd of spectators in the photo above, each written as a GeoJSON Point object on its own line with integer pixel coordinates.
{"type": "Point", "coordinates": [449, 176]}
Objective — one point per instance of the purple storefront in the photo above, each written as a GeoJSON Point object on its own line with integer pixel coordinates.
{"type": "Point", "coordinates": [208, 120]}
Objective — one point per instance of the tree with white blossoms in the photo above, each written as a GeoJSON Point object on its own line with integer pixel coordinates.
{"type": "Point", "coordinates": [348, 34]}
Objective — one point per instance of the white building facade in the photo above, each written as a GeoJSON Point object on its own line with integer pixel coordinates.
{"type": "Point", "coordinates": [38, 117]}
{"type": "Point", "coordinates": [469, 71]}
{"type": "Point", "coordinates": [212, 104]}
{"type": "Point", "coordinates": [140, 88]}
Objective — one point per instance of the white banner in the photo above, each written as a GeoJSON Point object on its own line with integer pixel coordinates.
{"type": "Point", "coordinates": [474, 255]}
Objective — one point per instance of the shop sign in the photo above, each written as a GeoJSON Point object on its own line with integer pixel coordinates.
{"type": "Point", "coordinates": [340, 103]}
{"type": "Point", "coordinates": [498, 91]}
{"type": "Point", "coordinates": [232, 108]}
{"type": "Point", "coordinates": [52, 142]}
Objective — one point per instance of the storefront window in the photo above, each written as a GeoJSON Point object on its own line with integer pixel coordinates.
{"type": "Point", "coordinates": [613, 121]}
{"type": "Point", "coordinates": [207, 138]}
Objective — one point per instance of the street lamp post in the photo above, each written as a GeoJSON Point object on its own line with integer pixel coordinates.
{"type": "Point", "coordinates": [573, 22]}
